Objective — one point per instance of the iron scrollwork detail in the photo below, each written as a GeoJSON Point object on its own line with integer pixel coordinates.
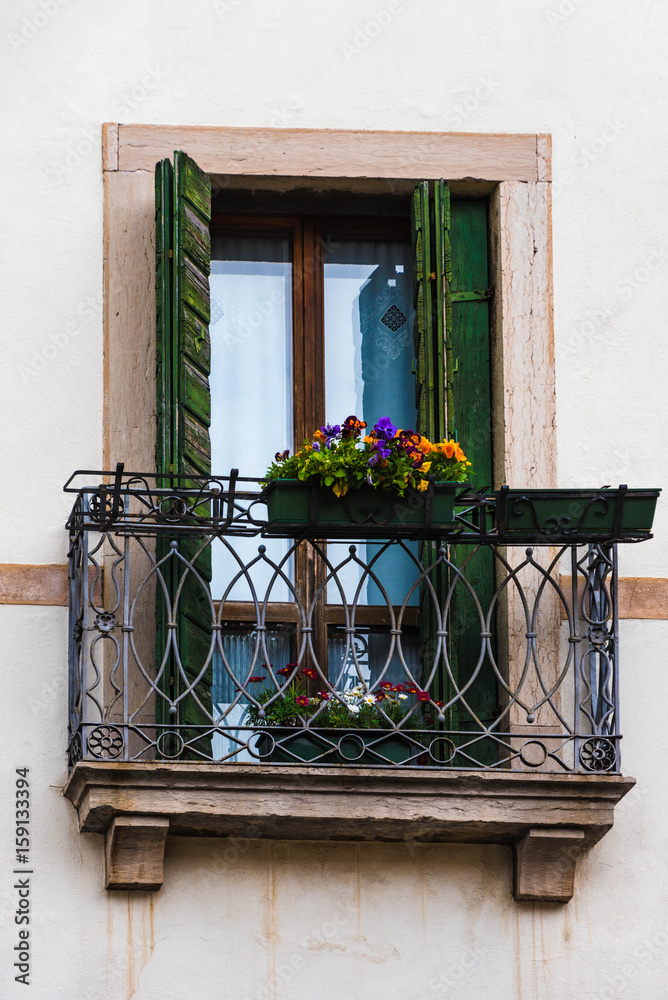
{"type": "Point", "coordinates": [598, 754]}
{"type": "Point", "coordinates": [105, 742]}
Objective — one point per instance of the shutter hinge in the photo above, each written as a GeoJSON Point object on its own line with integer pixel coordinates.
{"type": "Point", "coordinates": [171, 254]}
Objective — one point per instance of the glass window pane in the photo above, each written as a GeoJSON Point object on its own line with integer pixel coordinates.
{"type": "Point", "coordinates": [251, 381]}
{"type": "Point", "coordinates": [369, 367]}
{"type": "Point", "coordinates": [251, 352]}
{"type": "Point", "coordinates": [369, 332]}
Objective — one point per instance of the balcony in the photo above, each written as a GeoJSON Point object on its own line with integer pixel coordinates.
{"type": "Point", "coordinates": [228, 675]}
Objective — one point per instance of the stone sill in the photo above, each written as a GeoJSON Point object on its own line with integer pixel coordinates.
{"type": "Point", "coordinates": [547, 818]}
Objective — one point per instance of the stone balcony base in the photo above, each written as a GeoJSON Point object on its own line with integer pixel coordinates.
{"type": "Point", "coordinates": [547, 818]}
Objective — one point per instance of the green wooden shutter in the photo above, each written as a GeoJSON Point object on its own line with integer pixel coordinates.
{"type": "Point", "coordinates": [470, 419]}
{"type": "Point", "coordinates": [183, 447]}
{"type": "Point", "coordinates": [453, 399]}
{"type": "Point", "coordinates": [429, 344]}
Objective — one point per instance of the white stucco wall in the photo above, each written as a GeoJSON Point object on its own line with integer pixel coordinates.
{"type": "Point", "coordinates": [371, 921]}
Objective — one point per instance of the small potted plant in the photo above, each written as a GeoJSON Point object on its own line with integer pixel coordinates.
{"type": "Point", "coordinates": [353, 726]}
{"type": "Point", "coordinates": [389, 478]}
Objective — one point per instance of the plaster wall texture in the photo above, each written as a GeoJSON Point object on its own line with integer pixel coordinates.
{"type": "Point", "coordinates": [286, 920]}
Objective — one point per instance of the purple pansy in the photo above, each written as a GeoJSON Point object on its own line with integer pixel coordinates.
{"type": "Point", "coordinates": [385, 428]}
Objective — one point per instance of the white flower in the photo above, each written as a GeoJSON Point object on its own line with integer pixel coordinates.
{"type": "Point", "coordinates": [353, 708]}
{"type": "Point", "coordinates": [369, 699]}
{"type": "Point", "coordinates": [403, 697]}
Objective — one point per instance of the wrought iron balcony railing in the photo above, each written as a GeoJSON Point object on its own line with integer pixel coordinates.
{"type": "Point", "coordinates": [197, 634]}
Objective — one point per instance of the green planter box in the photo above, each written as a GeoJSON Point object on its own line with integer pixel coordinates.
{"type": "Point", "coordinates": [294, 506]}
{"type": "Point", "coordinates": [619, 513]}
{"type": "Point", "coordinates": [335, 747]}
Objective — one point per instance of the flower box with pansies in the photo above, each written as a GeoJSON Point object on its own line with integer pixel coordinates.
{"type": "Point", "coordinates": [355, 726]}
{"type": "Point", "coordinates": [389, 481]}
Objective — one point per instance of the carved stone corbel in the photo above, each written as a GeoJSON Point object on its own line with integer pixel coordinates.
{"type": "Point", "coordinates": [545, 860]}
{"type": "Point", "coordinates": [134, 852]}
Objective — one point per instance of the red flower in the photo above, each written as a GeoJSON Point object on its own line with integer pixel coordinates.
{"type": "Point", "coordinates": [256, 680]}
{"type": "Point", "coordinates": [302, 700]}
{"type": "Point", "coordinates": [324, 695]}
{"type": "Point", "coordinates": [423, 696]}
{"type": "Point", "coordinates": [440, 704]}
{"type": "Point", "coordinates": [385, 685]}
{"type": "Point", "coordinates": [285, 671]}
{"type": "Point", "coordinates": [399, 687]}
{"type": "Point", "coordinates": [380, 696]}
{"type": "Point", "coordinates": [309, 672]}
{"type": "Point", "coordinates": [412, 689]}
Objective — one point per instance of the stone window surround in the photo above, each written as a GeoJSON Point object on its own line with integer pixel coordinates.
{"type": "Point", "coordinates": [546, 818]}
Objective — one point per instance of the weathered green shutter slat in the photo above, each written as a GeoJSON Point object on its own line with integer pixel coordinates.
{"type": "Point", "coordinates": [192, 257]}
{"type": "Point", "coordinates": [422, 301]}
{"type": "Point", "coordinates": [442, 304]}
{"type": "Point", "coordinates": [163, 247]}
{"type": "Point", "coordinates": [428, 297]}
{"type": "Point", "coordinates": [183, 214]}
{"type": "Point", "coordinates": [470, 414]}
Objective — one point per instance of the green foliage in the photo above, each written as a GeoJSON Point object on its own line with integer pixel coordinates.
{"type": "Point", "coordinates": [354, 708]}
{"type": "Point", "coordinates": [386, 458]}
